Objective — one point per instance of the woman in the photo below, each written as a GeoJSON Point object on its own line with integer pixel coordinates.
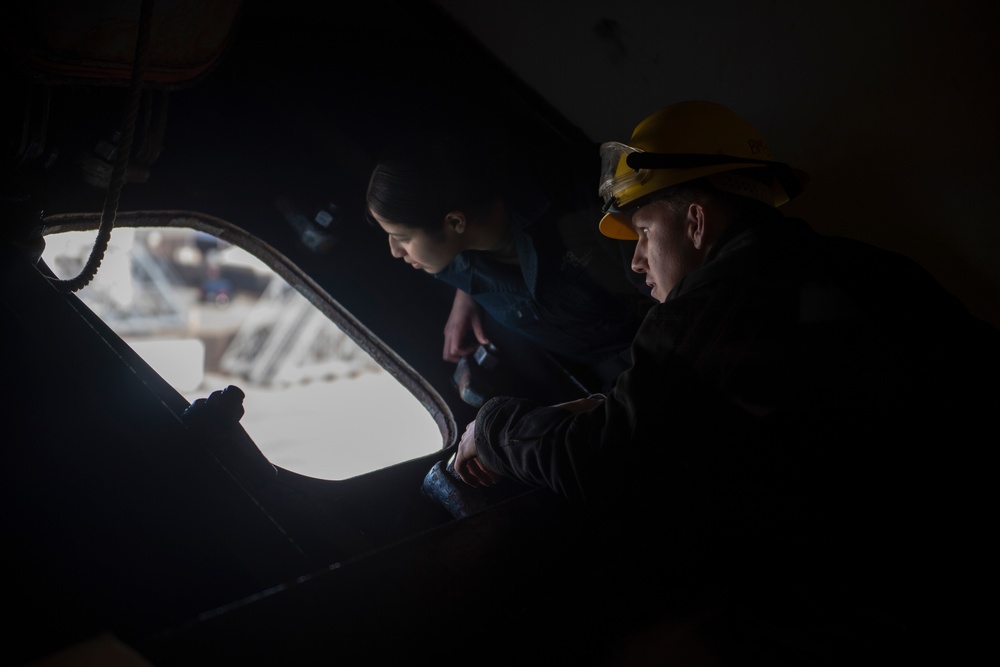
{"type": "Point", "coordinates": [524, 249]}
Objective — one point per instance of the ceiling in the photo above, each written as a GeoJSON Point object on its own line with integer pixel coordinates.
{"type": "Point", "coordinates": [890, 106]}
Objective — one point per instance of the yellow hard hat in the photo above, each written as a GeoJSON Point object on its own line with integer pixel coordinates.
{"type": "Point", "coordinates": [683, 142]}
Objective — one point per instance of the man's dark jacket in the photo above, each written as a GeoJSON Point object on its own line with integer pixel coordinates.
{"type": "Point", "coordinates": [796, 384]}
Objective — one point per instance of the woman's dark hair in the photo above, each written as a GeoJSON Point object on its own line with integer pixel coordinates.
{"type": "Point", "coordinates": [420, 179]}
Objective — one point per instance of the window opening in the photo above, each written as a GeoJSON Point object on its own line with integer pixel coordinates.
{"type": "Point", "coordinates": [205, 314]}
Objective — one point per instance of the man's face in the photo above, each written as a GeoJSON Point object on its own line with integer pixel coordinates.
{"type": "Point", "coordinates": [665, 251]}
{"type": "Point", "coordinates": [419, 249]}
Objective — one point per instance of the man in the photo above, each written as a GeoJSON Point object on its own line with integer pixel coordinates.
{"type": "Point", "coordinates": [801, 410]}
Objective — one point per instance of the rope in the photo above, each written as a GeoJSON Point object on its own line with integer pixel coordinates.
{"type": "Point", "coordinates": [113, 196]}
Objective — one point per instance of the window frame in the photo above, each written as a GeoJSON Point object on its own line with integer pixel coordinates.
{"type": "Point", "coordinates": [382, 354]}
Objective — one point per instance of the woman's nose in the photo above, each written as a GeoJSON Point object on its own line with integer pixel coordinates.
{"type": "Point", "coordinates": [394, 248]}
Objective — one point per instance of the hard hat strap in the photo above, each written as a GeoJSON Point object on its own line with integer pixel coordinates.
{"type": "Point", "coordinates": [687, 160]}
{"type": "Point", "coordinates": [783, 172]}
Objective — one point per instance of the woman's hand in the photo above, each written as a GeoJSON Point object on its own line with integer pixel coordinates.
{"type": "Point", "coordinates": [464, 317]}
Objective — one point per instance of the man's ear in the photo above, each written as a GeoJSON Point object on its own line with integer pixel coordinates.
{"type": "Point", "coordinates": [695, 225]}
{"type": "Point", "coordinates": [455, 220]}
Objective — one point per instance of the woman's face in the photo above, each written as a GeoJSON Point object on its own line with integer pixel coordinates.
{"type": "Point", "coordinates": [420, 249]}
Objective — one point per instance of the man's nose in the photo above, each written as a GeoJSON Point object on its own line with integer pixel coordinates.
{"type": "Point", "coordinates": [639, 260]}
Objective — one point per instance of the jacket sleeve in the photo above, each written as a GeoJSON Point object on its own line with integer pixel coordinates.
{"type": "Point", "coordinates": [542, 446]}
{"type": "Point", "coordinates": [650, 428]}
{"type": "Point", "coordinates": [581, 455]}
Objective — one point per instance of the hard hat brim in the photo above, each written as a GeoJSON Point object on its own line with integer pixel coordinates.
{"type": "Point", "coordinates": [615, 227]}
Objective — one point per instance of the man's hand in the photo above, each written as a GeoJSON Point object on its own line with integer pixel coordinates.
{"type": "Point", "coordinates": [467, 464]}
{"type": "Point", "coordinates": [464, 317]}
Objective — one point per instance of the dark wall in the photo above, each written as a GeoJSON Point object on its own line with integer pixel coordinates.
{"type": "Point", "coordinates": [891, 106]}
